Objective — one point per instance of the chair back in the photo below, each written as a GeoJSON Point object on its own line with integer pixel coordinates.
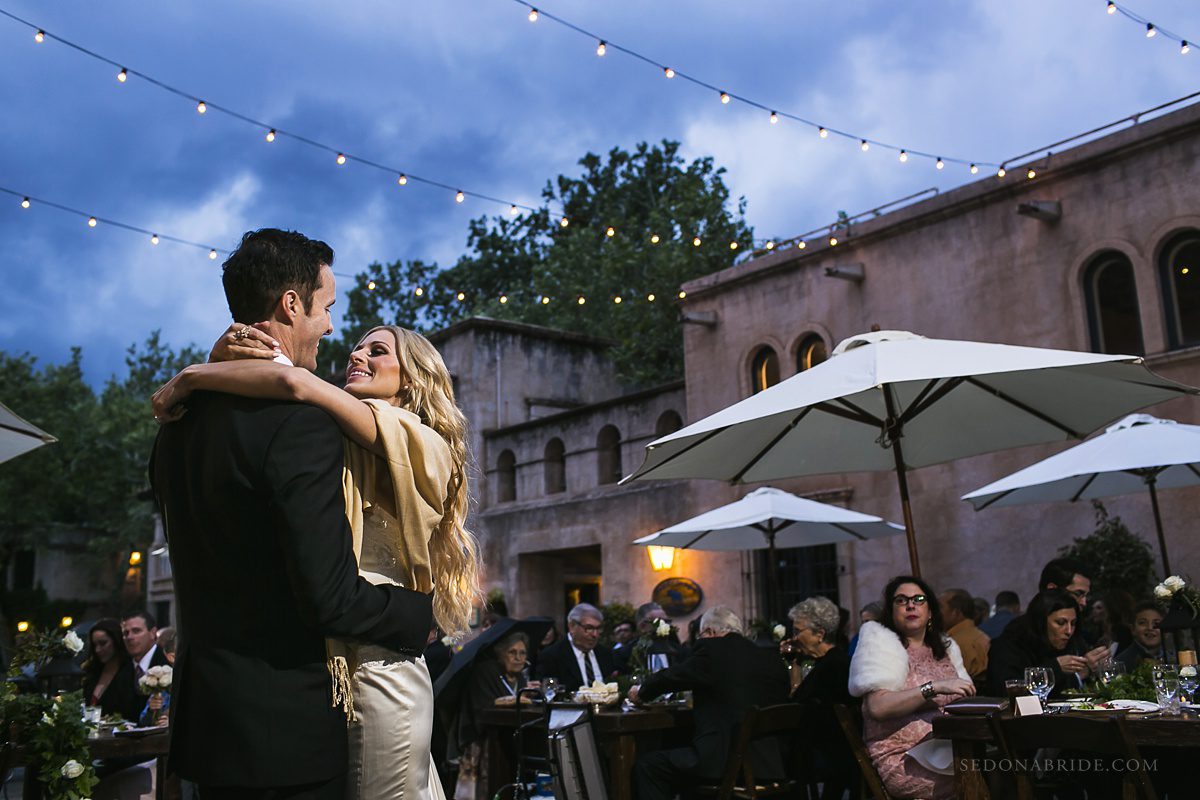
{"type": "Point", "coordinates": [850, 722]}
{"type": "Point", "coordinates": [760, 723]}
{"type": "Point", "coordinates": [1020, 738]}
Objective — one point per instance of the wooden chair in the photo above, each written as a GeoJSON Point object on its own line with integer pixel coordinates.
{"type": "Point", "coordinates": [851, 724]}
{"type": "Point", "coordinates": [1020, 738]}
{"type": "Point", "coordinates": [738, 780]}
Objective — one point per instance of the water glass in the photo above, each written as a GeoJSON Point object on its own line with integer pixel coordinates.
{"type": "Point", "coordinates": [1188, 682]}
{"type": "Point", "coordinates": [1166, 686]}
{"type": "Point", "coordinates": [1110, 669]}
{"type": "Point", "coordinates": [1040, 681]}
{"type": "Point", "coordinates": [550, 688]}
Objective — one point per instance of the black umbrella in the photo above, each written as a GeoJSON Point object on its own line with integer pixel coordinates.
{"type": "Point", "coordinates": [454, 678]}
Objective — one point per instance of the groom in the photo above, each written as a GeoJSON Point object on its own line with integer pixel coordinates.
{"type": "Point", "coordinates": [250, 493]}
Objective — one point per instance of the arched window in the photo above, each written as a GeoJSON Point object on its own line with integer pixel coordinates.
{"type": "Point", "coordinates": [668, 422]}
{"type": "Point", "coordinates": [554, 463]}
{"type": "Point", "coordinates": [608, 453]}
{"type": "Point", "coordinates": [812, 351]}
{"type": "Point", "coordinates": [764, 369]}
{"type": "Point", "coordinates": [1179, 273]}
{"type": "Point", "coordinates": [506, 477]}
{"type": "Point", "coordinates": [1111, 295]}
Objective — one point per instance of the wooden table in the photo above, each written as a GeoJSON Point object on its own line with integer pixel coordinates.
{"type": "Point", "coordinates": [142, 748]}
{"type": "Point", "coordinates": [618, 733]}
{"type": "Point", "coordinates": [970, 735]}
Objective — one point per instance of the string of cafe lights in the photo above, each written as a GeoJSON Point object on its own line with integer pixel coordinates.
{"type": "Point", "coordinates": [1152, 30]}
{"type": "Point", "coordinates": [773, 112]}
{"type": "Point", "coordinates": [29, 202]}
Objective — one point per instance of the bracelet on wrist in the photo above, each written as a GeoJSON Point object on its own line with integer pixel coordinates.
{"type": "Point", "coordinates": [927, 690]}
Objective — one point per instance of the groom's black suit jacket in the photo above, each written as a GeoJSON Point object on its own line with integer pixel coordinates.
{"type": "Point", "coordinates": [250, 493]}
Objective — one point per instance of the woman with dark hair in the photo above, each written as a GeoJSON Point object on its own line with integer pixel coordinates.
{"type": "Point", "coordinates": [905, 668]}
{"type": "Point", "coordinates": [108, 679]}
{"type": "Point", "coordinates": [1039, 638]}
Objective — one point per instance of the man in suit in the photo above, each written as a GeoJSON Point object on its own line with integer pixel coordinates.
{"type": "Point", "coordinates": [727, 675]}
{"type": "Point", "coordinates": [139, 629]}
{"type": "Point", "coordinates": [578, 660]}
{"type": "Point", "coordinates": [250, 493]}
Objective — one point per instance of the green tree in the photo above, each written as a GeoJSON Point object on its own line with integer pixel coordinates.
{"type": "Point", "coordinates": [534, 269]}
{"type": "Point", "coordinates": [1119, 559]}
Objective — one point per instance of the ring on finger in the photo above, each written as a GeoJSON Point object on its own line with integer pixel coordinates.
{"type": "Point", "coordinates": [242, 333]}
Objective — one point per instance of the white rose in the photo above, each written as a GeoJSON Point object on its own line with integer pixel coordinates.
{"type": "Point", "coordinates": [1174, 583]}
{"type": "Point", "coordinates": [663, 628]}
{"type": "Point", "coordinates": [72, 642]}
{"type": "Point", "coordinates": [779, 631]}
{"type": "Point", "coordinates": [1162, 592]}
{"type": "Point", "coordinates": [447, 640]}
{"type": "Point", "coordinates": [72, 769]}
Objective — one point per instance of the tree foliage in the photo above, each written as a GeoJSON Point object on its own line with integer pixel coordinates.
{"type": "Point", "coordinates": [650, 192]}
{"type": "Point", "coordinates": [1119, 559]}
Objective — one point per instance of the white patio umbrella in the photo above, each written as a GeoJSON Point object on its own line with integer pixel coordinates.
{"type": "Point", "coordinates": [18, 436]}
{"type": "Point", "coordinates": [1140, 452]}
{"type": "Point", "coordinates": [770, 518]}
{"type": "Point", "coordinates": [890, 400]}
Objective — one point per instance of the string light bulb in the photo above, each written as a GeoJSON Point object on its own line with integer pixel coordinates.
{"type": "Point", "coordinates": [419, 292]}
{"type": "Point", "coordinates": [1112, 7]}
{"type": "Point", "coordinates": [545, 300]}
{"type": "Point", "coordinates": [617, 300]}
{"type": "Point", "coordinates": [24, 202]}
{"type": "Point", "coordinates": [601, 48]}
{"type": "Point", "coordinates": [974, 169]}
{"type": "Point", "coordinates": [940, 164]}
{"type": "Point", "coordinates": [582, 300]}
{"type": "Point", "coordinates": [1184, 48]}
{"type": "Point", "coordinates": [774, 118]}
{"type": "Point", "coordinates": [123, 75]}
{"type": "Point", "coordinates": [1000, 173]}
{"type": "Point", "coordinates": [91, 222]}
{"type": "Point", "coordinates": [725, 98]}
{"type": "Point", "coordinates": [733, 245]}
{"type": "Point", "coordinates": [402, 180]}
{"type": "Point", "coordinates": [40, 36]}
{"type": "Point", "coordinates": [654, 238]}
{"type": "Point", "coordinates": [800, 245]}
{"type": "Point", "coordinates": [212, 255]}
{"type": "Point", "coordinates": [824, 134]}
{"type": "Point", "coordinates": [341, 159]}
{"type": "Point", "coordinates": [903, 156]}
{"type": "Point", "coordinates": [503, 299]}
{"type": "Point", "coordinates": [611, 232]}
{"type": "Point", "coordinates": [682, 295]}
{"type": "Point", "coordinates": [1031, 173]}
{"type": "Point", "coordinates": [670, 73]}
{"type": "Point", "coordinates": [864, 145]}
{"type": "Point", "coordinates": [370, 286]}
{"type": "Point", "coordinates": [650, 297]}
{"type": "Point", "coordinates": [459, 196]}
{"type": "Point", "coordinates": [696, 241]}
{"type": "Point", "coordinates": [564, 222]}
{"type": "Point", "coordinates": [201, 107]}
{"type": "Point", "coordinates": [770, 245]}
{"type": "Point", "coordinates": [460, 297]}
{"type": "Point", "coordinates": [512, 210]}
{"type": "Point", "coordinates": [1151, 31]}
{"type": "Point", "coordinates": [271, 135]}
{"type": "Point", "coordinates": [533, 15]}
{"type": "Point", "coordinates": [154, 238]}
{"type": "Point", "coordinates": [833, 241]}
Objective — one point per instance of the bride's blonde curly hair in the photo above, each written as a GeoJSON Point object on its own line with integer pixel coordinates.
{"type": "Point", "coordinates": [453, 550]}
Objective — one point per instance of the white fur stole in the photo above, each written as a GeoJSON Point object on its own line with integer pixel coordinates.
{"type": "Point", "coordinates": [881, 662]}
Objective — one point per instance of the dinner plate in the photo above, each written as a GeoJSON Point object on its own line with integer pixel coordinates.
{"type": "Point", "coordinates": [1135, 706]}
{"type": "Point", "coordinates": [136, 732]}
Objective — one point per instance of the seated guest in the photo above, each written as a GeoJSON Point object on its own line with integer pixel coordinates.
{"type": "Point", "coordinates": [1075, 578]}
{"type": "Point", "coordinates": [958, 608]}
{"type": "Point", "coordinates": [550, 638]}
{"type": "Point", "coordinates": [108, 673]}
{"type": "Point", "coordinates": [814, 625]}
{"type": "Point", "coordinates": [982, 608]}
{"type": "Point", "coordinates": [1147, 637]}
{"type": "Point", "coordinates": [577, 660]}
{"type": "Point", "coordinates": [493, 681]}
{"type": "Point", "coordinates": [166, 642]}
{"type": "Point", "coordinates": [727, 675]}
{"type": "Point", "coordinates": [1008, 608]}
{"type": "Point", "coordinates": [659, 652]}
{"type": "Point", "coordinates": [906, 669]}
{"type": "Point", "coordinates": [623, 634]}
{"type": "Point", "coordinates": [871, 612]}
{"type": "Point", "coordinates": [1111, 616]}
{"type": "Point", "coordinates": [1043, 637]}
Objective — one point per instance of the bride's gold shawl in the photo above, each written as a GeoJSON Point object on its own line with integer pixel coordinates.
{"type": "Point", "coordinates": [410, 480]}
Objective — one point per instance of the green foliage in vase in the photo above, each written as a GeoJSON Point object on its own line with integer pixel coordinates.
{"type": "Point", "coordinates": [1136, 685]}
{"type": "Point", "coordinates": [1119, 559]}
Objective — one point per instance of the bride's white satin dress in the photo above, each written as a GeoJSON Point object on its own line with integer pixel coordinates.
{"type": "Point", "coordinates": [393, 697]}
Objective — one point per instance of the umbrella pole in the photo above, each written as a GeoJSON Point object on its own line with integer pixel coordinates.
{"type": "Point", "coordinates": [772, 575]}
{"type": "Point", "coordinates": [1151, 480]}
{"type": "Point", "coordinates": [894, 432]}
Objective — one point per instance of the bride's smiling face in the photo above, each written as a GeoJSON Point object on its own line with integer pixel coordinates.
{"type": "Point", "coordinates": [374, 370]}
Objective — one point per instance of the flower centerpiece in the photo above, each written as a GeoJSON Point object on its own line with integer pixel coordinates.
{"type": "Point", "coordinates": [661, 639]}
{"type": "Point", "coordinates": [50, 730]}
{"type": "Point", "coordinates": [1183, 610]}
{"type": "Point", "coordinates": [157, 684]}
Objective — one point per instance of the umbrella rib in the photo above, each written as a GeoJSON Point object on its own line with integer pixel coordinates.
{"type": "Point", "coordinates": [859, 414]}
{"type": "Point", "coordinates": [921, 404]}
{"type": "Point", "coordinates": [693, 541]}
{"type": "Point", "coordinates": [997, 498]}
{"type": "Point", "coordinates": [1192, 467]}
{"type": "Point", "coordinates": [844, 529]}
{"type": "Point", "coordinates": [1033, 412]}
{"type": "Point", "coordinates": [696, 443]}
{"type": "Point", "coordinates": [774, 441]}
{"type": "Point", "coordinates": [42, 437]}
{"type": "Point", "coordinates": [1083, 488]}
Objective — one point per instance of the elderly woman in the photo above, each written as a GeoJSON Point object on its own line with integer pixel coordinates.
{"type": "Point", "coordinates": [815, 624]}
{"type": "Point", "coordinates": [1042, 637]}
{"type": "Point", "coordinates": [494, 681]}
{"type": "Point", "coordinates": [906, 669]}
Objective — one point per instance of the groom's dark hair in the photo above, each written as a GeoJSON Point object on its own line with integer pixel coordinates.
{"type": "Point", "coordinates": [268, 263]}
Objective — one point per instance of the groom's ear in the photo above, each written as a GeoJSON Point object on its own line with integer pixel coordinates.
{"type": "Point", "coordinates": [290, 306]}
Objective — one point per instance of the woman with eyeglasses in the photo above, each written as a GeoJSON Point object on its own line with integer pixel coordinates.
{"type": "Point", "coordinates": [1043, 637]}
{"type": "Point", "coordinates": [905, 669]}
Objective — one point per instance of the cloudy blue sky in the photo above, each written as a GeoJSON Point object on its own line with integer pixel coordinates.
{"type": "Point", "coordinates": [471, 93]}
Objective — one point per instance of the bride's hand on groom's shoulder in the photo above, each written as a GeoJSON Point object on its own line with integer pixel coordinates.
{"type": "Point", "coordinates": [244, 341]}
{"type": "Point", "coordinates": [168, 401]}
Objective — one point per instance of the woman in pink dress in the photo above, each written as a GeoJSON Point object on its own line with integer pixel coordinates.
{"type": "Point", "coordinates": [905, 669]}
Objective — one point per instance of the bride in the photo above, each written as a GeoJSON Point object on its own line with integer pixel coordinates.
{"type": "Point", "coordinates": [405, 485]}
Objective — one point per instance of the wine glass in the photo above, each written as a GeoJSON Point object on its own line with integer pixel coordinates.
{"type": "Point", "coordinates": [550, 688]}
{"type": "Point", "coordinates": [1040, 681]}
{"type": "Point", "coordinates": [1110, 670]}
{"type": "Point", "coordinates": [1166, 686]}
